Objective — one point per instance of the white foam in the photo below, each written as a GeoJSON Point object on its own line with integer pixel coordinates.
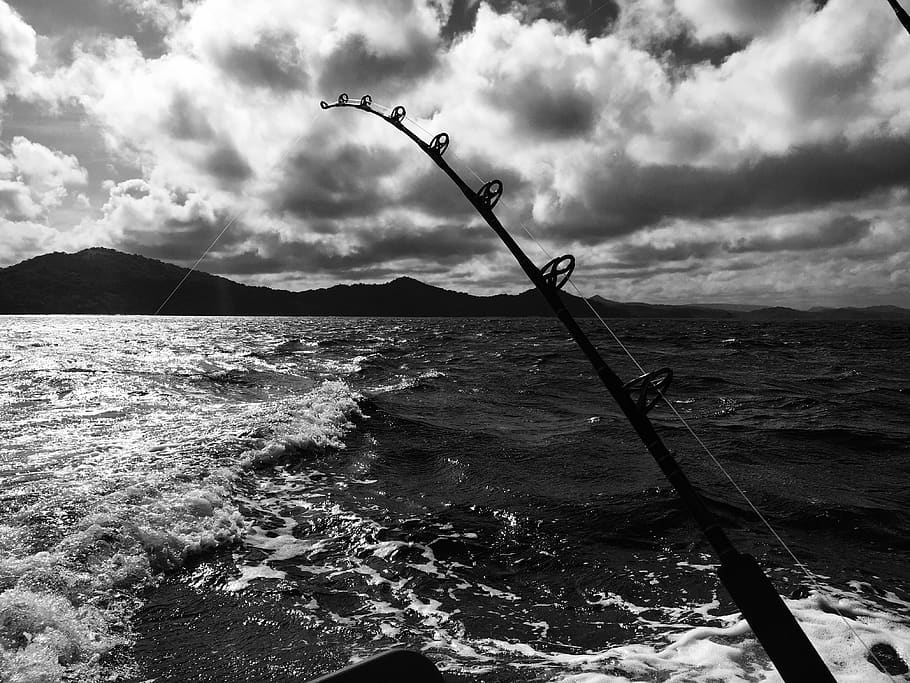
{"type": "Point", "coordinates": [280, 543]}
{"type": "Point", "coordinates": [317, 423]}
{"type": "Point", "coordinates": [139, 491]}
{"type": "Point", "coordinates": [248, 574]}
{"type": "Point", "coordinates": [700, 654]}
{"type": "Point", "coordinates": [502, 595]}
{"type": "Point", "coordinates": [43, 633]}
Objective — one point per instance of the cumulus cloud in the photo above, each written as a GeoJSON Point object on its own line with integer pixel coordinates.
{"type": "Point", "coordinates": [803, 232]}
{"type": "Point", "coordinates": [162, 222]}
{"type": "Point", "coordinates": [343, 182]}
{"type": "Point", "coordinates": [834, 72]}
{"type": "Point", "coordinates": [185, 120]}
{"type": "Point", "coordinates": [356, 64]}
{"type": "Point", "coordinates": [738, 17]}
{"type": "Point", "coordinates": [273, 61]}
{"type": "Point", "coordinates": [17, 50]}
{"type": "Point", "coordinates": [366, 253]}
{"type": "Point", "coordinates": [163, 14]}
{"type": "Point", "coordinates": [34, 179]}
{"type": "Point", "coordinates": [22, 238]}
{"type": "Point", "coordinates": [779, 125]}
{"type": "Point", "coordinates": [622, 196]}
{"type": "Point", "coordinates": [838, 232]}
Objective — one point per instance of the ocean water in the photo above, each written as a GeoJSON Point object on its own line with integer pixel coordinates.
{"type": "Point", "coordinates": [212, 499]}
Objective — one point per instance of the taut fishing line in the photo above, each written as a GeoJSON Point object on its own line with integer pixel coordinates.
{"type": "Point", "coordinates": [236, 215]}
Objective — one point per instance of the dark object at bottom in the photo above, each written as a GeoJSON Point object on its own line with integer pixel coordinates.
{"type": "Point", "coordinates": [401, 666]}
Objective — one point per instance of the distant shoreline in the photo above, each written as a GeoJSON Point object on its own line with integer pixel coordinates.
{"type": "Point", "coordinates": [102, 281]}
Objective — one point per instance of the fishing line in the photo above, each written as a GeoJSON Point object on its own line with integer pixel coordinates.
{"type": "Point", "coordinates": [764, 520]}
{"type": "Point", "coordinates": [233, 217]}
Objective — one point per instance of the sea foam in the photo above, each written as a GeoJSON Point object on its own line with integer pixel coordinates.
{"type": "Point", "coordinates": [146, 510]}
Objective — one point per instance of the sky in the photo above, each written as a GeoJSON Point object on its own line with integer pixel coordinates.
{"type": "Point", "coordinates": [711, 151]}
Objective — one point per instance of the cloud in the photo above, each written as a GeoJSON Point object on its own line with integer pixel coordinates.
{"type": "Point", "coordinates": [549, 106]}
{"type": "Point", "coordinates": [592, 19]}
{"type": "Point", "coordinates": [21, 238]}
{"type": "Point", "coordinates": [430, 191]}
{"type": "Point", "coordinates": [355, 65]}
{"type": "Point", "coordinates": [685, 242]}
{"type": "Point", "coordinates": [711, 19]}
{"type": "Point", "coordinates": [623, 197]}
{"type": "Point", "coordinates": [273, 61]}
{"type": "Point", "coordinates": [17, 50]}
{"type": "Point", "coordinates": [161, 222]}
{"type": "Point", "coordinates": [825, 74]}
{"type": "Point", "coordinates": [17, 203]}
{"type": "Point", "coordinates": [45, 169]}
{"type": "Point", "coordinates": [372, 251]}
{"type": "Point", "coordinates": [162, 14]}
{"type": "Point", "coordinates": [334, 183]}
{"type": "Point", "coordinates": [63, 25]}
{"type": "Point", "coordinates": [185, 120]}
{"type": "Point", "coordinates": [780, 126]}
{"type": "Point", "coordinates": [838, 232]}
{"type": "Point", "coordinates": [226, 164]}
{"type": "Point", "coordinates": [34, 179]}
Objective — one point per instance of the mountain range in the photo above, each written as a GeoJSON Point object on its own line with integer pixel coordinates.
{"type": "Point", "coordinates": [105, 281]}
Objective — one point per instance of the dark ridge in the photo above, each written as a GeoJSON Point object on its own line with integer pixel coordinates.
{"type": "Point", "coordinates": [105, 281]}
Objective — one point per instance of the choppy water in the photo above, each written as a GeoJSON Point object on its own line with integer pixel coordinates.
{"type": "Point", "coordinates": [212, 499]}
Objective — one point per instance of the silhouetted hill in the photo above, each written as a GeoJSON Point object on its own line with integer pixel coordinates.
{"type": "Point", "coordinates": [101, 280]}
{"type": "Point", "coordinates": [847, 313]}
{"type": "Point", "coordinates": [106, 281]}
{"type": "Point", "coordinates": [614, 309]}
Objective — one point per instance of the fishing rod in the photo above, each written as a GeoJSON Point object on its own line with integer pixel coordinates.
{"type": "Point", "coordinates": [773, 624]}
{"type": "Point", "coordinates": [901, 14]}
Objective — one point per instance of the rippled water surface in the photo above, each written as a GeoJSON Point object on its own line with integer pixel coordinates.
{"type": "Point", "coordinates": [212, 499]}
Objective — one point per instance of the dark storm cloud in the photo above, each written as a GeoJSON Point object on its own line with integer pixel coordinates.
{"type": "Point", "coordinates": [839, 232]}
{"type": "Point", "coordinates": [557, 110]}
{"type": "Point", "coordinates": [185, 121]}
{"type": "Point", "coordinates": [226, 164]}
{"type": "Point", "coordinates": [352, 181]}
{"type": "Point", "coordinates": [355, 67]}
{"type": "Point", "coordinates": [432, 191]}
{"type": "Point", "coordinates": [338, 184]}
{"type": "Point", "coordinates": [274, 61]}
{"type": "Point", "coordinates": [765, 13]}
{"type": "Point", "coordinates": [444, 246]}
{"type": "Point", "coordinates": [626, 197]}
{"type": "Point", "coordinates": [69, 21]}
{"type": "Point", "coordinates": [685, 50]}
{"type": "Point", "coordinates": [815, 87]}
{"type": "Point", "coordinates": [181, 241]}
{"type": "Point", "coordinates": [636, 255]}
{"type": "Point", "coordinates": [594, 17]}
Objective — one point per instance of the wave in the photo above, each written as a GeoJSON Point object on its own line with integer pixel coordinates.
{"type": "Point", "coordinates": [67, 601]}
{"type": "Point", "coordinates": [314, 427]}
{"type": "Point", "coordinates": [423, 584]}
